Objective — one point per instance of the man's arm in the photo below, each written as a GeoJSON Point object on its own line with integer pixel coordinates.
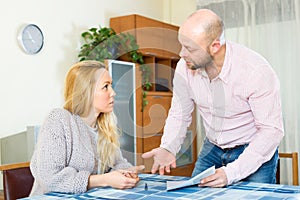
{"type": "Point", "coordinates": [264, 100]}
{"type": "Point", "coordinates": [179, 118]}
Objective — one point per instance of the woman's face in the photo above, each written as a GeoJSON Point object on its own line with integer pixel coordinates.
{"type": "Point", "coordinates": [104, 93]}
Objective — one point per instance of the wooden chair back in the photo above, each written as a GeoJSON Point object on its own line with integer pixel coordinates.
{"type": "Point", "coordinates": [17, 180]}
{"type": "Point", "coordinates": [294, 157]}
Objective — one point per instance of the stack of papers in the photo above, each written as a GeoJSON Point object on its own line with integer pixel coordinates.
{"type": "Point", "coordinates": [171, 185]}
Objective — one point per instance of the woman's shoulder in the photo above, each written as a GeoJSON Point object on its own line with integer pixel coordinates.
{"type": "Point", "coordinates": [59, 114]}
{"type": "Point", "coordinates": [59, 118]}
{"type": "Point", "coordinates": [59, 110]}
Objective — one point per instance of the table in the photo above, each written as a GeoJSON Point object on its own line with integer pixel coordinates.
{"type": "Point", "coordinates": [157, 191]}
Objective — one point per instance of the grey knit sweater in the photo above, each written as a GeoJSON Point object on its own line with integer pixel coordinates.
{"type": "Point", "coordinates": [66, 155]}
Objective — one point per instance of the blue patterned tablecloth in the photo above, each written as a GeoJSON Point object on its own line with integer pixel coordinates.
{"type": "Point", "coordinates": [156, 189]}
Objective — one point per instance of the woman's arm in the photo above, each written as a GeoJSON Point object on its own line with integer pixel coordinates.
{"type": "Point", "coordinates": [50, 164]}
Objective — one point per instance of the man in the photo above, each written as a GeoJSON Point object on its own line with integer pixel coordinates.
{"type": "Point", "coordinates": [237, 95]}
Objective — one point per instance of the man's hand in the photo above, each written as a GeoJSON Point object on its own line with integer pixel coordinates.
{"type": "Point", "coordinates": [163, 160]}
{"type": "Point", "coordinates": [218, 179]}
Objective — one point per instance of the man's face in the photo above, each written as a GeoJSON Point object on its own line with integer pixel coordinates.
{"type": "Point", "coordinates": [195, 51]}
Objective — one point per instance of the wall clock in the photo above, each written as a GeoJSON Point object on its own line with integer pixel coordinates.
{"type": "Point", "coordinates": [31, 39]}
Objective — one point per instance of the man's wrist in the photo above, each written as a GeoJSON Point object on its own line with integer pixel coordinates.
{"type": "Point", "coordinates": [164, 148]}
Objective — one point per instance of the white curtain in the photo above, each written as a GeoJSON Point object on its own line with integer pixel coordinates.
{"type": "Point", "coordinates": [272, 28]}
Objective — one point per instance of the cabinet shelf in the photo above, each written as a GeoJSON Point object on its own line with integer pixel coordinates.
{"type": "Point", "coordinates": [162, 71]}
{"type": "Point", "coordinates": [155, 93]}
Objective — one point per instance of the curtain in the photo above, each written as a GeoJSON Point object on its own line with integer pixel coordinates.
{"type": "Point", "coordinates": [272, 28]}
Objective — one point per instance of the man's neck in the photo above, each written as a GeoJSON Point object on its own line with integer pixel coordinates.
{"type": "Point", "coordinates": [212, 72]}
{"type": "Point", "coordinates": [216, 67]}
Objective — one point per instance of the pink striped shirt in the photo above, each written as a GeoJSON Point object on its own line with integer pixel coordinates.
{"type": "Point", "coordinates": [241, 105]}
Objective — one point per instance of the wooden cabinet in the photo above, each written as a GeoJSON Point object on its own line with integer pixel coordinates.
{"type": "Point", "coordinates": [160, 47]}
{"type": "Point", "coordinates": [153, 36]}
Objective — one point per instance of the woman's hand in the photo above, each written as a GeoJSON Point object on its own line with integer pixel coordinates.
{"type": "Point", "coordinates": [133, 171]}
{"type": "Point", "coordinates": [120, 179]}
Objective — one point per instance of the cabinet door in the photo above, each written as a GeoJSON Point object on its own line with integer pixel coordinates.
{"type": "Point", "coordinates": [155, 114]}
{"type": "Point", "coordinates": [124, 85]}
{"type": "Point", "coordinates": [150, 143]}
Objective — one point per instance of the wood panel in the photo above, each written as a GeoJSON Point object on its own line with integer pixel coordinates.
{"type": "Point", "coordinates": [153, 36]}
{"type": "Point", "coordinates": [156, 113]}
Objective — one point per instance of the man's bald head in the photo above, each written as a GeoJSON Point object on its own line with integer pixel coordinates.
{"type": "Point", "coordinates": [204, 23]}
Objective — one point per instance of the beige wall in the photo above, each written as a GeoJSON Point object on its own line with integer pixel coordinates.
{"type": "Point", "coordinates": [178, 10]}
{"type": "Point", "coordinates": [31, 85]}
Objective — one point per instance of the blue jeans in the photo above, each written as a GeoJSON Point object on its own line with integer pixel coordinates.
{"type": "Point", "coordinates": [213, 155]}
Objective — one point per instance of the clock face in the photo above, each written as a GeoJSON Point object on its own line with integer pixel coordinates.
{"type": "Point", "coordinates": [32, 39]}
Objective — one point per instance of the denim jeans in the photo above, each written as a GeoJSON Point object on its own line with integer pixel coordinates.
{"type": "Point", "coordinates": [213, 155]}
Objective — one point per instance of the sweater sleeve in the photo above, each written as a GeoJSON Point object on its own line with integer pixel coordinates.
{"type": "Point", "coordinates": [49, 164]}
{"type": "Point", "coordinates": [121, 162]}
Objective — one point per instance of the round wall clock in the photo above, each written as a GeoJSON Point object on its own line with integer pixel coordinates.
{"type": "Point", "coordinates": [31, 39]}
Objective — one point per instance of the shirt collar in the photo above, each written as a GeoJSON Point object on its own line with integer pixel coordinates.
{"type": "Point", "coordinates": [226, 66]}
{"type": "Point", "coordinates": [224, 74]}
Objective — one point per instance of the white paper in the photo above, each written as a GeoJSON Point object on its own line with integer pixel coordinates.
{"type": "Point", "coordinates": [171, 185]}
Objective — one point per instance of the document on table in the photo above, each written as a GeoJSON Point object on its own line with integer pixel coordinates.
{"type": "Point", "coordinates": [171, 185]}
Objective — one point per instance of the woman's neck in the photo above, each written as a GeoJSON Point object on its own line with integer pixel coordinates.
{"type": "Point", "coordinates": [90, 120]}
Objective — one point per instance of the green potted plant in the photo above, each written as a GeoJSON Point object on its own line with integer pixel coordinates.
{"type": "Point", "coordinates": [103, 43]}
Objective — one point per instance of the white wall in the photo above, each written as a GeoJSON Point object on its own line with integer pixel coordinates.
{"type": "Point", "coordinates": [178, 11]}
{"type": "Point", "coordinates": [31, 85]}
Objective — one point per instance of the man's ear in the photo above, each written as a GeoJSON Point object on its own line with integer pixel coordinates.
{"type": "Point", "coordinates": [215, 46]}
{"type": "Point", "coordinates": [217, 43]}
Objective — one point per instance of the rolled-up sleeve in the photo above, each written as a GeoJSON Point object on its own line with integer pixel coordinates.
{"type": "Point", "coordinates": [265, 104]}
{"type": "Point", "coordinates": [179, 117]}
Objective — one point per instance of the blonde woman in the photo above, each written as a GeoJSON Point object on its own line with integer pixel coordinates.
{"type": "Point", "coordinates": [78, 145]}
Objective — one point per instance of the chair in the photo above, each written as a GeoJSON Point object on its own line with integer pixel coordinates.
{"type": "Point", "coordinates": [17, 180]}
{"type": "Point", "coordinates": [294, 157]}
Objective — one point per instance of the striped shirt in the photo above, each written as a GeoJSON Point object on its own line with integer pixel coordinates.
{"type": "Point", "coordinates": [241, 105]}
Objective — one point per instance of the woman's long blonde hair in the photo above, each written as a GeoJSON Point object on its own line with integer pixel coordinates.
{"type": "Point", "coordinates": [79, 93]}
